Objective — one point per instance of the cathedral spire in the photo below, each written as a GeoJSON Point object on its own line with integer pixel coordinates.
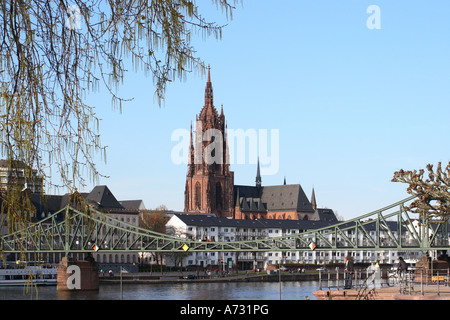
{"type": "Point", "coordinates": [209, 73]}
{"type": "Point", "coordinates": [209, 90]}
{"type": "Point", "coordinates": [258, 176]}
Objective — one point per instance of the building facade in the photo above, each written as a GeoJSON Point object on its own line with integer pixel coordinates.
{"type": "Point", "coordinates": [211, 228]}
{"type": "Point", "coordinates": [18, 174]}
{"type": "Point", "coordinates": [100, 198]}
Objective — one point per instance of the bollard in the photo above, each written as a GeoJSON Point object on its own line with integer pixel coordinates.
{"type": "Point", "coordinates": [438, 293]}
{"type": "Point", "coordinates": [337, 280]}
{"type": "Point", "coordinates": [421, 281]}
{"type": "Point", "coordinates": [320, 280]}
{"type": "Point", "coordinates": [410, 282]}
{"type": "Point", "coordinates": [328, 282]}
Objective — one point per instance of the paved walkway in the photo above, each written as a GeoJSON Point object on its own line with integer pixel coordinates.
{"type": "Point", "coordinates": [427, 292]}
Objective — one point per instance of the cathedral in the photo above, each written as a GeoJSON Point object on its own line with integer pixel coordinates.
{"type": "Point", "coordinates": [210, 184]}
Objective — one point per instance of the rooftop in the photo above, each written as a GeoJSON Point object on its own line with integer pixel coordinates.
{"type": "Point", "coordinates": [201, 220]}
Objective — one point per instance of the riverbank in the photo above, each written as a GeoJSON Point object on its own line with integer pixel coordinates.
{"type": "Point", "coordinates": [177, 277]}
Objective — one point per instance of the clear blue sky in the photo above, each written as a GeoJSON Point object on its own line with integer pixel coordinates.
{"type": "Point", "coordinates": [352, 105]}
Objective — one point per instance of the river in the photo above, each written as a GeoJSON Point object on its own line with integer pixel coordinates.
{"type": "Point", "coordinates": [290, 290]}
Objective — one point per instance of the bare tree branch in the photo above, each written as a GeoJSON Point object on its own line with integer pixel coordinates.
{"type": "Point", "coordinates": [433, 193]}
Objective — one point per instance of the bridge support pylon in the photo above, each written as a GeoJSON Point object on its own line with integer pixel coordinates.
{"type": "Point", "coordinates": [77, 275]}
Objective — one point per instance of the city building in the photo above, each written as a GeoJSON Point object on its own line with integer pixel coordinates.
{"type": "Point", "coordinates": [210, 228]}
{"type": "Point", "coordinates": [18, 174]}
{"type": "Point", "coordinates": [101, 199]}
{"type": "Point", "coordinates": [210, 184]}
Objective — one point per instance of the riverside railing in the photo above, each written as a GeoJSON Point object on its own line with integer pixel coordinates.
{"type": "Point", "coordinates": [360, 279]}
{"type": "Point", "coordinates": [418, 281]}
{"type": "Point", "coordinates": [424, 281]}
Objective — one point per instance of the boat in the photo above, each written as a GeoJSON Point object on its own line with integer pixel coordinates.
{"type": "Point", "coordinates": [36, 275]}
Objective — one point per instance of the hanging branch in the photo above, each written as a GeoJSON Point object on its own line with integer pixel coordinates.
{"type": "Point", "coordinates": [53, 53]}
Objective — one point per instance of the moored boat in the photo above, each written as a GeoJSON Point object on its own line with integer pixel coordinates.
{"type": "Point", "coordinates": [37, 275]}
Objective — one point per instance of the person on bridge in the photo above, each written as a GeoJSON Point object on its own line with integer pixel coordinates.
{"type": "Point", "coordinates": [401, 269]}
{"type": "Point", "coordinates": [348, 261]}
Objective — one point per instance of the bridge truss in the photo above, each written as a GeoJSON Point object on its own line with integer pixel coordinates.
{"type": "Point", "coordinates": [74, 231]}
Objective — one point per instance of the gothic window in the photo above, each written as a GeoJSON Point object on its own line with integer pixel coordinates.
{"type": "Point", "coordinates": [219, 202]}
{"type": "Point", "coordinates": [198, 196]}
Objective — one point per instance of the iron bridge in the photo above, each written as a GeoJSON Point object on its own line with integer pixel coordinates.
{"type": "Point", "coordinates": [74, 231]}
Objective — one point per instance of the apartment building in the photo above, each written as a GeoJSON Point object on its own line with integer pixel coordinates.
{"type": "Point", "coordinates": [102, 199]}
{"type": "Point", "coordinates": [17, 173]}
{"type": "Point", "coordinates": [211, 228]}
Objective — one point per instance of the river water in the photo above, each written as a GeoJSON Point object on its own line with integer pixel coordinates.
{"type": "Point", "coordinates": [295, 290]}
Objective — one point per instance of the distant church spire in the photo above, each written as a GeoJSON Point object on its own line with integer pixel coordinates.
{"type": "Point", "coordinates": [258, 176]}
{"type": "Point", "coordinates": [313, 200]}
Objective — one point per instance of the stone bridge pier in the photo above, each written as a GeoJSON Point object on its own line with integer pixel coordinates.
{"type": "Point", "coordinates": [77, 275]}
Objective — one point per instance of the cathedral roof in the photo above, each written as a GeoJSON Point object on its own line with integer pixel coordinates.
{"type": "Point", "coordinates": [324, 214]}
{"type": "Point", "coordinates": [274, 198]}
{"type": "Point", "coordinates": [202, 220]}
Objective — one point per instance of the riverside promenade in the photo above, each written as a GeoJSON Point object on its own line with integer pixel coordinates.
{"type": "Point", "coordinates": [418, 292]}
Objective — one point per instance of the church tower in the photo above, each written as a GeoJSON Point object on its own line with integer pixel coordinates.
{"type": "Point", "coordinates": [209, 181]}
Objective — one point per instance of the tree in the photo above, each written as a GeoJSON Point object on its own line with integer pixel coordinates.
{"type": "Point", "coordinates": [177, 257]}
{"type": "Point", "coordinates": [155, 220]}
{"type": "Point", "coordinates": [54, 53]}
{"type": "Point", "coordinates": [433, 193]}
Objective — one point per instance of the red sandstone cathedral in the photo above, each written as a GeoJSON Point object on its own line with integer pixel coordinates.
{"type": "Point", "coordinates": [210, 184]}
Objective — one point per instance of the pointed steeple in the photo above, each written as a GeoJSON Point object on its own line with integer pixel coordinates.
{"type": "Point", "coordinates": [313, 200]}
{"type": "Point", "coordinates": [209, 73]}
{"type": "Point", "coordinates": [209, 99]}
{"type": "Point", "coordinates": [209, 115]}
{"type": "Point", "coordinates": [258, 176]}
